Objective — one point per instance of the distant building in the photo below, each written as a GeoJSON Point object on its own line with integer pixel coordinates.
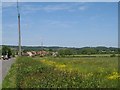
{"type": "Point", "coordinates": [29, 54]}
{"type": "Point", "coordinates": [54, 54]}
{"type": "Point", "coordinates": [42, 53]}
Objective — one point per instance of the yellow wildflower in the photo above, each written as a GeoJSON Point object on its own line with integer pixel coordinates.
{"type": "Point", "coordinates": [101, 69]}
{"type": "Point", "coordinates": [90, 74]}
{"type": "Point", "coordinates": [114, 75]}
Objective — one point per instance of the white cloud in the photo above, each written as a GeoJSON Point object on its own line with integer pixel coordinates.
{"type": "Point", "coordinates": [71, 7]}
{"type": "Point", "coordinates": [59, 23]}
{"type": "Point", "coordinates": [47, 8]}
{"type": "Point", "coordinates": [55, 8]}
{"type": "Point", "coordinates": [83, 8]}
{"type": "Point", "coordinates": [14, 26]}
{"type": "Point", "coordinates": [8, 4]}
{"type": "Point", "coordinates": [31, 8]}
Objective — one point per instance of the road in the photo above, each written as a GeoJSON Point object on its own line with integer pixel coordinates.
{"type": "Point", "coordinates": [4, 67]}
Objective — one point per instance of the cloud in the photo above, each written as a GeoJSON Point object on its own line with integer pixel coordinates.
{"type": "Point", "coordinates": [14, 26]}
{"type": "Point", "coordinates": [26, 8]}
{"type": "Point", "coordinates": [83, 8]}
{"type": "Point", "coordinates": [59, 24]}
{"type": "Point", "coordinates": [47, 8]}
{"type": "Point", "coordinates": [70, 7]}
{"type": "Point", "coordinates": [8, 4]}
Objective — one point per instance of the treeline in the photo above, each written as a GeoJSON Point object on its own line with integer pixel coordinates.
{"type": "Point", "coordinates": [70, 51]}
{"type": "Point", "coordinates": [87, 51]}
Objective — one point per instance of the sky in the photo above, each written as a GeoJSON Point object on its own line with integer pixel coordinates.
{"type": "Point", "coordinates": [65, 24]}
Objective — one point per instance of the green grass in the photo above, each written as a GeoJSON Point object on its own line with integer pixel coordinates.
{"type": "Point", "coordinates": [87, 72]}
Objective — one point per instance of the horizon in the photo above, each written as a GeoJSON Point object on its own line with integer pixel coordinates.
{"type": "Point", "coordinates": [59, 46]}
{"type": "Point", "coordinates": [62, 24]}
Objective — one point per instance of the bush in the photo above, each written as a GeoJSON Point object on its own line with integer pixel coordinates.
{"type": "Point", "coordinates": [113, 55]}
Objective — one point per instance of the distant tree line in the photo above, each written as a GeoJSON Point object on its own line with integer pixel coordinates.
{"type": "Point", "coordinates": [12, 50]}
{"type": "Point", "coordinates": [87, 51]}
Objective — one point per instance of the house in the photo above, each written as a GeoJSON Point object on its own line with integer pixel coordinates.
{"type": "Point", "coordinates": [54, 54]}
{"type": "Point", "coordinates": [34, 53]}
{"type": "Point", "coordinates": [29, 54]}
{"type": "Point", "coordinates": [42, 53]}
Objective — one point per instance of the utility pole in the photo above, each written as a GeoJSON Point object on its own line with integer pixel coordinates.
{"type": "Point", "coordinates": [42, 46]}
{"type": "Point", "coordinates": [19, 43]}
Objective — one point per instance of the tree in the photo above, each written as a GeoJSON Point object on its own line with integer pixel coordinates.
{"type": "Point", "coordinates": [6, 51]}
{"type": "Point", "coordinates": [66, 51]}
{"type": "Point", "coordinates": [61, 52]}
{"type": "Point", "coordinates": [89, 51]}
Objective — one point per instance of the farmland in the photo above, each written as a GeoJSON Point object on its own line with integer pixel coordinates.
{"type": "Point", "coordinates": [63, 72]}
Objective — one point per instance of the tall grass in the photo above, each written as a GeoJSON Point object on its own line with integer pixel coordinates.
{"type": "Point", "coordinates": [62, 73]}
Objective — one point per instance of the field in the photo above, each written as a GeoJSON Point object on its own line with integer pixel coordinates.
{"type": "Point", "coordinates": [47, 72]}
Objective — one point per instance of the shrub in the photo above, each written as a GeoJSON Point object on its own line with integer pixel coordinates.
{"type": "Point", "coordinates": [113, 55]}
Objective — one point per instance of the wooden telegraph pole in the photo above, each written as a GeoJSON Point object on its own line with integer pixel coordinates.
{"type": "Point", "coordinates": [19, 43]}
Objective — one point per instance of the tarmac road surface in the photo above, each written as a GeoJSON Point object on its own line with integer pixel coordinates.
{"type": "Point", "coordinates": [4, 67]}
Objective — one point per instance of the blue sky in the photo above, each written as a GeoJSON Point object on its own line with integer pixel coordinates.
{"type": "Point", "coordinates": [62, 24]}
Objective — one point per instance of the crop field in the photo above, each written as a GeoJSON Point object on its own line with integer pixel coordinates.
{"type": "Point", "coordinates": [49, 72]}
